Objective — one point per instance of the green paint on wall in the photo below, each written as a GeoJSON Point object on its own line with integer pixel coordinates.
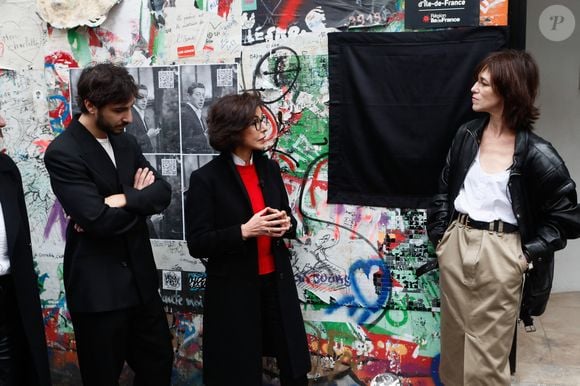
{"type": "Point", "coordinates": [79, 44]}
{"type": "Point", "coordinates": [158, 51]}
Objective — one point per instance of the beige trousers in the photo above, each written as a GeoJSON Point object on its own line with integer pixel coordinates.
{"type": "Point", "coordinates": [481, 277]}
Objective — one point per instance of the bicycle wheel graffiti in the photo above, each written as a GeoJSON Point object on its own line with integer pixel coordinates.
{"type": "Point", "coordinates": [276, 73]}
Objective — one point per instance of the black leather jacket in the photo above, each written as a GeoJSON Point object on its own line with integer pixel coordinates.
{"type": "Point", "coordinates": [543, 200]}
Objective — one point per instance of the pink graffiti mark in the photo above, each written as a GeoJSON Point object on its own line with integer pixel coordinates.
{"type": "Point", "coordinates": [42, 144]}
{"type": "Point", "coordinates": [317, 183]}
{"type": "Point", "coordinates": [396, 283]}
{"type": "Point", "coordinates": [291, 121]}
{"type": "Point", "coordinates": [56, 215]}
{"type": "Point", "coordinates": [153, 31]}
{"type": "Point", "coordinates": [272, 134]}
{"type": "Point", "coordinates": [94, 39]}
{"type": "Point", "coordinates": [289, 13]}
{"type": "Point", "coordinates": [106, 36]}
{"type": "Point", "coordinates": [288, 161]}
{"type": "Point", "coordinates": [394, 238]}
{"type": "Point", "coordinates": [61, 57]}
{"type": "Point", "coordinates": [224, 7]}
{"type": "Point", "coordinates": [291, 182]}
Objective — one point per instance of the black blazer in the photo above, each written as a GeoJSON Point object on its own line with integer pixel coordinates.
{"type": "Point", "coordinates": [193, 136]}
{"type": "Point", "coordinates": [110, 265]}
{"type": "Point", "coordinates": [23, 273]}
{"type": "Point", "coordinates": [138, 128]}
{"type": "Point", "coordinates": [216, 205]}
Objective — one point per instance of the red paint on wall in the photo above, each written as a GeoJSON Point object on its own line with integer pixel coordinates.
{"type": "Point", "coordinates": [289, 13]}
{"type": "Point", "coordinates": [224, 7]}
{"type": "Point", "coordinates": [186, 51]}
{"type": "Point", "coordinates": [61, 57]}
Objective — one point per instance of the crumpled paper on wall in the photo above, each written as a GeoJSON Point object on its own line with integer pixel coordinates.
{"type": "Point", "coordinates": [74, 13]}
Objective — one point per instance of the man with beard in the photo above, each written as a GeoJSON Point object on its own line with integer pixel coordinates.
{"type": "Point", "coordinates": [193, 126]}
{"type": "Point", "coordinates": [107, 188]}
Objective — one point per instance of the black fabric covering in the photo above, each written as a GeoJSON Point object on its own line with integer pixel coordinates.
{"type": "Point", "coordinates": [396, 100]}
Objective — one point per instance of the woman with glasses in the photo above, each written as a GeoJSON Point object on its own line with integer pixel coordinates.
{"type": "Point", "coordinates": [236, 214]}
{"type": "Point", "coordinates": [506, 202]}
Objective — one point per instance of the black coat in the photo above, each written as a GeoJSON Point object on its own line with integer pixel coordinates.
{"type": "Point", "coordinates": [543, 200]}
{"type": "Point", "coordinates": [217, 204]}
{"type": "Point", "coordinates": [22, 270]}
{"type": "Point", "coordinates": [110, 265]}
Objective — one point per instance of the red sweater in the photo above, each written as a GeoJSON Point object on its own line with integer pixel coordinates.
{"type": "Point", "coordinates": [252, 184]}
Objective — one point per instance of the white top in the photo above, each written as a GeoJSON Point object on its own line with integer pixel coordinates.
{"type": "Point", "coordinates": [106, 144]}
{"type": "Point", "coordinates": [485, 196]}
{"type": "Point", "coordinates": [240, 162]}
{"type": "Point", "coordinates": [4, 259]}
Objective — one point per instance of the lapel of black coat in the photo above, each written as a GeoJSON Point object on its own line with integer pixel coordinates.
{"type": "Point", "coordinates": [9, 198]}
{"type": "Point", "coordinates": [95, 155]}
{"type": "Point", "coordinates": [123, 155]}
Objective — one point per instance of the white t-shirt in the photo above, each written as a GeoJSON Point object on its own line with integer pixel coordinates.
{"type": "Point", "coordinates": [106, 144]}
{"type": "Point", "coordinates": [485, 196]}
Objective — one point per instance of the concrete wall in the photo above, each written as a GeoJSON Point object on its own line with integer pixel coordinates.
{"type": "Point", "coordinates": [559, 101]}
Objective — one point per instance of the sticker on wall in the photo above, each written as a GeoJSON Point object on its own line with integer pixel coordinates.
{"type": "Point", "coordinates": [171, 280]}
{"type": "Point", "coordinates": [557, 23]}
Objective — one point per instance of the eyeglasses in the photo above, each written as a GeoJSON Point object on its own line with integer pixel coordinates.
{"type": "Point", "coordinates": [259, 122]}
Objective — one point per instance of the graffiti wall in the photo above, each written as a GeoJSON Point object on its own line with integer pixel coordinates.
{"type": "Point", "coordinates": [368, 317]}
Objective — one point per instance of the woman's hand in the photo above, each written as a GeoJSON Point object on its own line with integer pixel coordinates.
{"type": "Point", "coordinates": [267, 222]}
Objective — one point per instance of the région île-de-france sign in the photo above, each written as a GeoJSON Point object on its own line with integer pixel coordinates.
{"type": "Point", "coordinates": [422, 14]}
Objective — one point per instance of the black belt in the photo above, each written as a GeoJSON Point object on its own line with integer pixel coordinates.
{"type": "Point", "coordinates": [494, 226]}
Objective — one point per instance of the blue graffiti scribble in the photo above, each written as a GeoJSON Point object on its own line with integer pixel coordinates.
{"type": "Point", "coordinates": [57, 124]}
{"type": "Point", "coordinates": [382, 282]}
{"type": "Point", "coordinates": [435, 370]}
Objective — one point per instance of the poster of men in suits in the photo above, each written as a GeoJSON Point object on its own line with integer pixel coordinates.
{"type": "Point", "coordinates": [200, 86]}
{"type": "Point", "coordinates": [155, 115]}
{"type": "Point", "coordinates": [169, 123]}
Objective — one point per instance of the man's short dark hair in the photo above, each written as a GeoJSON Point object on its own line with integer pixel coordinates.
{"type": "Point", "coordinates": [194, 86]}
{"type": "Point", "coordinates": [105, 83]}
{"type": "Point", "coordinates": [229, 116]}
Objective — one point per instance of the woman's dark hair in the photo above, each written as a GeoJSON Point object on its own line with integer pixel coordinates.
{"type": "Point", "coordinates": [104, 84]}
{"type": "Point", "coordinates": [229, 116]}
{"type": "Point", "coordinates": [514, 76]}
